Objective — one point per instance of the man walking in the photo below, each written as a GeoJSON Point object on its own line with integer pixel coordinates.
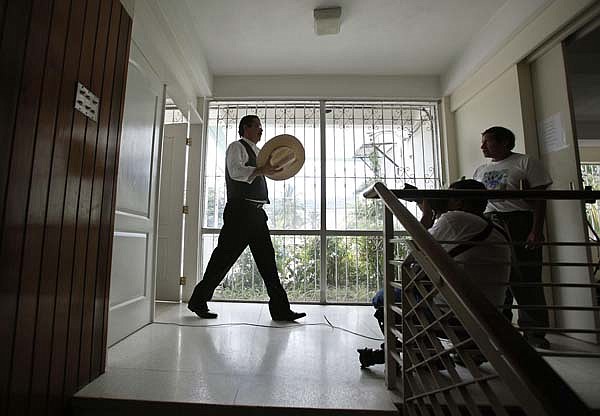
{"type": "Point", "coordinates": [244, 224]}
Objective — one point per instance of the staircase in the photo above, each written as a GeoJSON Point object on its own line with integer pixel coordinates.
{"type": "Point", "coordinates": [465, 357]}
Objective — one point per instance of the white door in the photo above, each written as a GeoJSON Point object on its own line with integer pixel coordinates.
{"type": "Point", "coordinates": [131, 288]}
{"type": "Point", "coordinates": [170, 221]}
{"type": "Point", "coordinates": [566, 219]}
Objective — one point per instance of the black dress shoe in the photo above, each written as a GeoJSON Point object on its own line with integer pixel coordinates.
{"type": "Point", "coordinates": [288, 316]}
{"type": "Point", "coordinates": [202, 311]}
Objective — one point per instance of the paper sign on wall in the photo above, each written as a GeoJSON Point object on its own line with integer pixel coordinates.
{"type": "Point", "coordinates": [551, 134]}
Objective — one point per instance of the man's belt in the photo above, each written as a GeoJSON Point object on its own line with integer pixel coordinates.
{"type": "Point", "coordinates": [253, 204]}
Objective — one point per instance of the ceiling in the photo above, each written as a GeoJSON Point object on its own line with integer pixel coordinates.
{"type": "Point", "coordinates": [377, 37]}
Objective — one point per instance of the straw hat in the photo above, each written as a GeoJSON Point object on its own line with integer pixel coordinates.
{"type": "Point", "coordinates": [284, 151]}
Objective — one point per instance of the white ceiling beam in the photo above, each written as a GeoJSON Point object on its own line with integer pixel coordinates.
{"type": "Point", "coordinates": [512, 17]}
{"type": "Point", "coordinates": [183, 73]}
{"type": "Point", "coordinates": [551, 21]}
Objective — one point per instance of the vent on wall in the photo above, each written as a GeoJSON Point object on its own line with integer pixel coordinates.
{"type": "Point", "coordinates": [86, 102]}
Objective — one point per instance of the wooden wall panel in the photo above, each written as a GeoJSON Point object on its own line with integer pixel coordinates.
{"type": "Point", "coordinates": [48, 171]}
{"type": "Point", "coordinates": [57, 192]}
{"type": "Point", "coordinates": [12, 58]}
{"type": "Point", "coordinates": [99, 300]}
{"type": "Point", "coordinates": [16, 204]}
{"type": "Point", "coordinates": [92, 175]}
{"type": "Point", "coordinates": [12, 55]}
{"type": "Point", "coordinates": [26, 201]}
{"type": "Point", "coordinates": [85, 142]}
{"type": "Point", "coordinates": [3, 6]}
{"type": "Point", "coordinates": [70, 165]}
{"type": "Point", "coordinates": [112, 161]}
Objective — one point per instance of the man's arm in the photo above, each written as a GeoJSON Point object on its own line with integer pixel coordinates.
{"type": "Point", "coordinates": [236, 158]}
{"type": "Point", "coordinates": [536, 175]}
{"type": "Point", "coordinates": [536, 234]}
{"type": "Point", "coordinates": [427, 216]}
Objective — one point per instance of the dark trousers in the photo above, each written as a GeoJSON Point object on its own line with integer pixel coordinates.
{"type": "Point", "coordinates": [244, 224]}
{"type": "Point", "coordinates": [518, 224]}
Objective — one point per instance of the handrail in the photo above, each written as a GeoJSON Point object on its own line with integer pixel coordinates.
{"type": "Point", "coordinates": [533, 194]}
{"type": "Point", "coordinates": [538, 388]}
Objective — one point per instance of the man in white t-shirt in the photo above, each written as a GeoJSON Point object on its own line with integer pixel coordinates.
{"type": "Point", "coordinates": [524, 221]}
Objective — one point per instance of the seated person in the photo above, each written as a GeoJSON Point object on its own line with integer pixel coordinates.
{"type": "Point", "coordinates": [486, 265]}
{"type": "Point", "coordinates": [369, 356]}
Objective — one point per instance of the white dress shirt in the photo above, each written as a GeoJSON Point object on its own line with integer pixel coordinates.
{"type": "Point", "coordinates": [236, 158]}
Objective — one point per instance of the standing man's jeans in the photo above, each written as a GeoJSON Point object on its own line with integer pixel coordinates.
{"type": "Point", "coordinates": [518, 225]}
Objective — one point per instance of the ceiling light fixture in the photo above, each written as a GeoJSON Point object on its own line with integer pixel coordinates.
{"type": "Point", "coordinates": [327, 21]}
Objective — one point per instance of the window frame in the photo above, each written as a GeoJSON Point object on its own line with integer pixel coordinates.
{"type": "Point", "coordinates": [323, 233]}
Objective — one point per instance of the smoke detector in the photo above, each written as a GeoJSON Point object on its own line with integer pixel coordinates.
{"type": "Point", "coordinates": [327, 20]}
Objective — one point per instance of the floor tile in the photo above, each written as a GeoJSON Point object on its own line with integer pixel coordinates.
{"type": "Point", "coordinates": [246, 357]}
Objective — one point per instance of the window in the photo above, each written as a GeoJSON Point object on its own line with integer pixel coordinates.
{"type": "Point", "coordinates": [174, 115]}
{"type": "Point", "coordinates": [590, 173]}
{"type": "Point", "coordinates": [364, 142]}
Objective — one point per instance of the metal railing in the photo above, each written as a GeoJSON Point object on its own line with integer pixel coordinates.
{"type": "Point", "coordinates": [348, 145]}
{"type": "Point", "coordinates": [434, 351]}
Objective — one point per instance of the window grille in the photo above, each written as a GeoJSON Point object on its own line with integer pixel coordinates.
{"type": "Point", "coordinates": [173, 115]}
{"type": "Point", "coordinates": [590, 173]}
{"type": "Point", "coordinates": [364, 142]}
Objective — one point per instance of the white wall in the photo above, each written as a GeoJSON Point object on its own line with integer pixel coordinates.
{"type": "Point", "coordinates": [498, 104]}
{"type": "Point", "coordinates": [511, 18]}
{"type": "Point", "coordinates": [327, 86]}
{"type": "Point", "coordinates": [549, 23]}
{"type": "Point", "coordinates": [164, 37]}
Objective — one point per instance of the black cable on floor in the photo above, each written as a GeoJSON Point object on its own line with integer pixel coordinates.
{"type": "Point", "coordinates": [329, 324]}
{"type": "Point", "coordinates": [351, 332]}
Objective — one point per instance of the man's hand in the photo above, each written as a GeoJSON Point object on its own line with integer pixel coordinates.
{"type": "Point", "coordinates": [267, 169]}
{"type": "Point", "coordinates": [534, 240]}
{"type": "Point", "coordinates": [425, 207]}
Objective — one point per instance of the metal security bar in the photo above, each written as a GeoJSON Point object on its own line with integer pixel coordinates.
{"type": "Point", "coordinates": [590, 173]}
{"type": "Point", "coordinates": [354, 144]}
{"type": "Point", "coordinates": [299, 261]}
{"type": "Point", "coordinates": [390, 142]}
{"type": "Point", "coordinates": [448, 349]}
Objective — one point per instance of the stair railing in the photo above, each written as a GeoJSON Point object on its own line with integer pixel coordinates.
{"type": "Point", "coordinates": [424, 340]}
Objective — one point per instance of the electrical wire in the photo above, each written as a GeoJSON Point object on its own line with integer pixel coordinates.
{"type": "Point", "coordinates": [351, 332]}
{"type": "Point", "coordinates": [229, 324]}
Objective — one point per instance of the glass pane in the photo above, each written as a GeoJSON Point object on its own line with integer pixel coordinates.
{"type": "Point", "coordinates": [394, 143]}
{"type": "Point", "coordinates": [295, 203]}
{"type": "Point", "coordinates": [298, 262]}
{"type": "Point", "coordinates": [355, 267]}
{"type": "Point", "coordinates": [174, 115]}
{"type": "Point", "coordinates": [591, 177]}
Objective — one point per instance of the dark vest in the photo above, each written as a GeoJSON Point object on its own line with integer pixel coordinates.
{"type": "Point", "coordinates": [256, 190]}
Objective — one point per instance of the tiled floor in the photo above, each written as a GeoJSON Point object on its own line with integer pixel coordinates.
{"type": "Point", "coordinates": [307, 364]}
{"type": "Point", "coordinates": [234, 360]}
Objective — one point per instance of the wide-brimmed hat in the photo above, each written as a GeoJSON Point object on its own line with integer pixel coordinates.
{"type": "Point", "coordinates": [284, 151]}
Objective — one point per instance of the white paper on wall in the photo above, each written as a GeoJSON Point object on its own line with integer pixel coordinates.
{"type": "Point", "coordinates": [552, 134]}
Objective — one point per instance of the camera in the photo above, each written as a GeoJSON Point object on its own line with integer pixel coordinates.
{"type": "Point", "coordinates": [369, 357]}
